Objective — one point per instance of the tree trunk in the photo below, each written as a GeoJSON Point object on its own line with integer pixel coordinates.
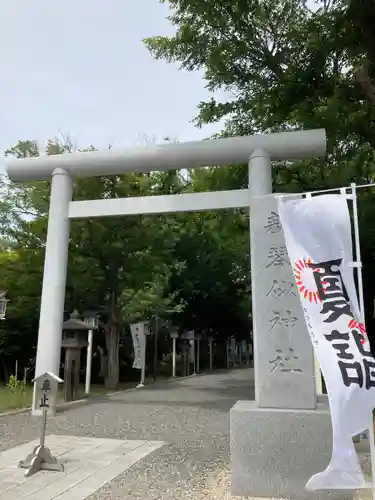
{"type": "Point", "coordinates": [156, 335]}
{"type": "Point", "coordinates": [103, 362]}
{"type": "Point", "coordinates": [113, 367]}
{"type": "Point", "coordinates": [362, 77]}
{"type": "Point", "coordinates": [5, 372]}
{"type": "Point", "coordinates": [112, 340]}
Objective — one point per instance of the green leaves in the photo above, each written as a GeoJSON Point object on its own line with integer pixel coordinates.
{"type": "Point", "coordinates": [283, 63]}
{"type": "Point", "coordinates": [153, 298]}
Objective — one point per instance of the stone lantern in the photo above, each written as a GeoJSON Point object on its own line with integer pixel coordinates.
{"type": "Point", "coordinates": [189, 350]}
{"type": "Point", "coordinates": [73, 340]}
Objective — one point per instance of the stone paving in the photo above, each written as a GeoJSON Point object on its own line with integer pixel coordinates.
{"type": "Point", "coordinates": [191, 416]}
{"type": "Point", "coordinates": [180, 429]}
{"type": "Point", "coordinates": [89, 463]}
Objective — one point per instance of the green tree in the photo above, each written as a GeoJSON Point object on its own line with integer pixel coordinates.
{"type": "Point", "coordinates": [288, 65]}
{"type": "Point", "coordinates": [361, 18]}
{"type": "Point", "coordinates": [20, 275]}
{"type": "Point", "coordinates": [283, 65]}
{"type": "Point", "coordinates": [115, 251]}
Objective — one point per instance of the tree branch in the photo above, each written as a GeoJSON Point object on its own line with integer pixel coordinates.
{"type": "Point", "coordinates": [362, 77]}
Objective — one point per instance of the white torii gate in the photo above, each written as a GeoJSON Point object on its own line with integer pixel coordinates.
{"type": "Point", "coordinates": [258, 151]}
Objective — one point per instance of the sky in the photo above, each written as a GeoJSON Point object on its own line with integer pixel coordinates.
{"type": "Point", "coordinates": [80, 68]}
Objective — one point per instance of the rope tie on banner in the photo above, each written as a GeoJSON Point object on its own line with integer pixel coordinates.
{"type": "Point", "coordinates": [355, 264]}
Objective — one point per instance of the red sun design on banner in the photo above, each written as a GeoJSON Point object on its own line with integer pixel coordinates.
{"type": "Point", "coordinates": [307, 288]}
{"type": "Point", "coordinates": [305, 281]}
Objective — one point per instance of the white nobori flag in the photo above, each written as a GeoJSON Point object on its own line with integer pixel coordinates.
{"type": "Point", "coordinates": [319, 242]}
{"type": "Point", "coordinates": [139, 344]}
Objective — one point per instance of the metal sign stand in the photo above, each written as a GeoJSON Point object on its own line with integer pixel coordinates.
{"type": "Point", "coordinates": [41, 458]}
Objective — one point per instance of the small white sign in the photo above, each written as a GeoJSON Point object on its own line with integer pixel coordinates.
{"type": "Point", "coordinates": [46, 388]}
{"type": "Point", "coordinates": [192, 351]}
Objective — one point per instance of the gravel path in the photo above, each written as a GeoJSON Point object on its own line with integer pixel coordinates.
{"type": "Point", "coordinates": [190, 415]}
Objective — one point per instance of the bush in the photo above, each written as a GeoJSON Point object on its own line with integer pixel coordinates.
{"type": "Point", "coordinates": [16, 386]}
{"type": "Point", "coordinates": [17, 390]}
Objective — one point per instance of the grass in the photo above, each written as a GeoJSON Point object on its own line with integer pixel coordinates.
{"type": "Point", "coordinates": [15, 400]}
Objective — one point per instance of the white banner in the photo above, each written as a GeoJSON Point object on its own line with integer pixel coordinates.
{"type": "Point", "coordinates": [319, 242]}
{"type": "Point", "coordinates": [192, 351]}
{"type": "Point", "coordinates": [139, 345]}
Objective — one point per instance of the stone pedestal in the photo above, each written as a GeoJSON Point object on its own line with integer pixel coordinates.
{"type": "Point", "coordinates": [71, 373]}
{"type": "Point", "coordinates": [274, 452]}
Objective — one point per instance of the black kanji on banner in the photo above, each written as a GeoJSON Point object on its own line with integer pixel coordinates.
{"type": "Point", "coordinates": [331, 289]}
{"type": "Point", "coordinates": [358, 337]}
{"type": "Point", "coordinates": [329, 280]}
{"type": "Point", "coordinates": [351, 373]}
{"type": "Point", "coordinates": [341, 347]}
{"type": "Point", "coordinates": [335, 309]}
{"type": "Point", "coordinates": [369, 366]}
{"type": "Point", "coordinates": [335, 304]}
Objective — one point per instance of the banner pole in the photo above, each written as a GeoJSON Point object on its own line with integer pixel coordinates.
{"type": "Point", "coordinates": [341, 190]}
{"type": "Point", "coordinates": [358, 251]}
{"type": "Point", "coordinates": [143, 369]}
{"type": "Point", "coordinates": [362, 311]}
{"type": "Point", "coordinates": [143, 358]}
